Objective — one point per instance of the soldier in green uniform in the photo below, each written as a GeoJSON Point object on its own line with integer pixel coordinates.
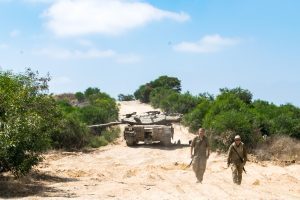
{"type": "Point", "coordinates": [237, 157]}
{"type": "Point", "coordinates": [200, 153]}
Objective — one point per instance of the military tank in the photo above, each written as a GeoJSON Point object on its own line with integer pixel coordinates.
{"type": "Point", "coordinates": [148, 127]}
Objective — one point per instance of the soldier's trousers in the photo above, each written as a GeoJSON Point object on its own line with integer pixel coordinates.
{"type": "Point", "coordinates": [237, 172]}
{"type": "Point", "coordinates": [199, 166]}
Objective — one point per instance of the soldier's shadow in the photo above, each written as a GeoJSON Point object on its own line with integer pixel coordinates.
{"type": "Point", "coordinates": [33, 184]}
{"type": "Point", "coordinates": [158, 145]}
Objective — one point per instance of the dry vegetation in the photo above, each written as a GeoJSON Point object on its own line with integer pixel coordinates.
{"type": "Point", "coordinates": [283, 149]}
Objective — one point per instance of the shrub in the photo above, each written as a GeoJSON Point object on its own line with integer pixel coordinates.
{"type": "Point", "coordinates": [227, 124]}
{"type": "Point", "coordinates": [229, 115]}
{"type": "Point", "coordinates": [271, 119]}
{"type": "Point", "coordinates": [143, 93]}
{"type": "Point", "coordinates": [80, 97]}
{"type": "Point", "coordinates": [169, 83]}
{"type": "Point", "coordinates": [111, 134]}
{"type": "Point", "coordinates": [27, 118]}
{"type": "Point", "coordinates": [242, 94]}
{"type": "Point", "coordinates": [98, 141]}
{"type": "Point", "coordinates": [128, 97]}
{"type": "Point", "coordinates": [158, 98]}
{"type": "Point", "coordinates": [105, 138]}
{"type": "Point", "coordinates": [70, 134]}
{"type": "Point", "coordinates": [173, 102]}
{"type": "Point", "coordinates": [279, 147]}
{"type": "Point", "coordinates": [194, 119]}
{"type": "Point", "coordinates": [91, 91]}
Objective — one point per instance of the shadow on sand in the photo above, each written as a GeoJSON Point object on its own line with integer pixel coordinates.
{"type": "Point", "coordinates": [34, 184]}
{"type": "Point", "coordinates": [158, 145]}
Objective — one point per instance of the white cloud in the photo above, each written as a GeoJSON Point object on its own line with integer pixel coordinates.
{"type": "Point", "coordinates": [66, 54]}
{"type": "Point", "coordinates": [207, 44]}
{"type": "Point", "coordinates": [14, 33]}
{"type": "Point", "coordinates": [79, 17]}
{"type": "Point", "coordinates": [60, 53]}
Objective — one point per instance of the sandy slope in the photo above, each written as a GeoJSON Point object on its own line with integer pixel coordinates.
{"type": "Point", "coordinates": [155, 172]}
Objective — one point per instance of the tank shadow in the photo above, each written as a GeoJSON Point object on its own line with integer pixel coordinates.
{"type": "Point", "coordinates": [34, 184]}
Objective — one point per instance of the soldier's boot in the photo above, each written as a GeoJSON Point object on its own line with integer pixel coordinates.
{"type": "Point", "coordinates": [199, 177]}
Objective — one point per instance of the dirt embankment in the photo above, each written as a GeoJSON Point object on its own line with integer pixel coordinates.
{"type": "Point", "coordinates": [148, 172]}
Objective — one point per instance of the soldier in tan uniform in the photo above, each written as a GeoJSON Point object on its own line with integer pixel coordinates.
{"type": "Point", "coordinates": [237, 157]}
{"type": "Point", "coordinates": [200, 153]}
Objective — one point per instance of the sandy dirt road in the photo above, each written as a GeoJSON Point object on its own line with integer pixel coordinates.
{"type": "Point", "coordinates": [152, 172]}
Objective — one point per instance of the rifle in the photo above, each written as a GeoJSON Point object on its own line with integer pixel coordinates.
{"type": "Point", "coordinates": [240, 158]}
{"type": "Point", "coordinates": [190, 163]}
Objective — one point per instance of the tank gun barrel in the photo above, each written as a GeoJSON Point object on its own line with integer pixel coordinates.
{"type": "Point", "coordinates": [105, 125]}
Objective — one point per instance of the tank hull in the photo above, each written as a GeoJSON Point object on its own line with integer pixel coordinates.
{"type": "Point", "coordinates": [148, 134]}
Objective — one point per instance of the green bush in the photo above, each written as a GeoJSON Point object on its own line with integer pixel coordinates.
{"type": "Point", "coordinates": [173, 102]}
{"type": "Point", "coordinates": [27, 118]}
{"type": "Point", "coordinates": [194, 119]}
{"type": "Point", "coordinates": [169, 83]}
{"type": "Point", "coordinates": [158, 98]}
{"type": "Point", "coordinates": [73, 132]}
{"type": "Point", "coordinates": [143, 93]}
{"type": "Point", "coordinates": [80, 97]}
{"type": "Point", "coordinates": [105, 138]}
{"type": "Point", "coordinates": [98, 141]}
{"type": "Point", "coordinates": [180, 103]}
{"type": "Point", "coordinates": [276, 120]}
{"type": "Point", "coordinates": [91, 91]}
{"type": "Point", "coordinates": [227, 124]}
{"type": "Point", "coordinates": [128, 97]}
{"type": "Point", "coordinates": [66, 107]}
{"type": "Point", "coordinates": [242, 94]}
{"type": "Point", "coordinates": [70, 134]}
{"type": "Point", "coordinates": [111, 134]}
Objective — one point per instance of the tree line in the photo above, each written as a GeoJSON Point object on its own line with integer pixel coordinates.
{"type": "Point", "coordinates": [231, 112]}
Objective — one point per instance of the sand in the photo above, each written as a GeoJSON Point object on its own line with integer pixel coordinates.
{"type": "Point", "coordinates": [151, 172]}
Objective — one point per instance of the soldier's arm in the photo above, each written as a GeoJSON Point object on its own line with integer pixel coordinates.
{"type": "Point", "coordinates": [208, 148]}
{"type": "Point", "coordinates": [192, 147]}
{"type": "Point", "coordinates": [229, 155]}
{"type": "Point", "coordinates": [245, 154]}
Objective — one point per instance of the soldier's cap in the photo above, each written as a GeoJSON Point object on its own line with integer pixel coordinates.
{"type": "Point", "coordinates": [237, 137]}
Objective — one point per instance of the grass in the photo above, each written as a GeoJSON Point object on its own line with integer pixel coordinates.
{"type": "Point", "coordinates": [105, 138]}
{"type": "Point", "coordinates": [279, 148]}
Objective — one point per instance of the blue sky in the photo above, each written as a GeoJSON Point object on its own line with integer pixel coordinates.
{"type": "Point", "coordinates": [117, 45]}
